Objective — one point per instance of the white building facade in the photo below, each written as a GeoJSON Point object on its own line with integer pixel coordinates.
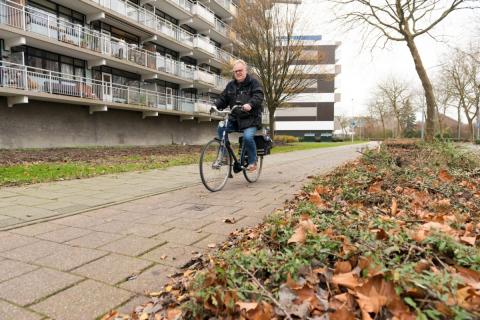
{"type": "Point", "coordinates": [310, 114]}
{"type": "Point", "coordinates": [131, 60]}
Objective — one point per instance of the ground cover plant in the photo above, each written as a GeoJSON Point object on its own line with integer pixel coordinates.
{"type": "Point", "coordinates": [393, 235]}
{"type": "Point", "coordinates": [26, 166]}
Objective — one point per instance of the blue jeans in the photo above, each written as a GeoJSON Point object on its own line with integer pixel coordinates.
{"type": "Point", "coordinates": [248, 139]}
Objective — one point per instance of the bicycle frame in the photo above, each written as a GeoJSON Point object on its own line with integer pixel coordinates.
{"type": "Point", "coordinates": [237, 164]}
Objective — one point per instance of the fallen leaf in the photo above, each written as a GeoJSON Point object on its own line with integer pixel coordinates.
{"type": "Point", "coordinates": [342, 267]}
{"type": "Point", "coordinates": [229, 220]}
{"type": "Point", "coordinates": [468, 240]}
{"type": "Point", "coordinates": [212, 245]}
{"type": "Point", "coordinates": [304, 227]}
{"type": "Point", "coordinates": [247, 306]}
{"type": "Point", "coordinates": [376, 187]}
{"type": "Point", "coordinates": [393, 207]}
{"type": "Point", "coordinates": [342, 314]}
{"type": "Point", "coordinates": [174, 314]}
{"type": "Point", "coordinates": [444, 176]}
{"type": "Point", "coordinates": [349, 280]}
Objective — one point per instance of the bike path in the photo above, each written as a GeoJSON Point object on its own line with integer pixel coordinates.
{"type": "Point", "coordinates": [124, 234]}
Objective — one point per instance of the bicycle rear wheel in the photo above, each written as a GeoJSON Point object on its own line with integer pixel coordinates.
{"type": "Point", "coordinates": [253, 176]}
{"type": "Point", "coordinates": [214, 165]}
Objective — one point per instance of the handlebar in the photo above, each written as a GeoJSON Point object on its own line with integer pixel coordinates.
{"type": "Point", "coordinates": [224, 112]}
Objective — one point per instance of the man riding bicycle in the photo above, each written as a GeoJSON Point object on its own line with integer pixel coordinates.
{"type": "Point", "coordinates": [247, 92]}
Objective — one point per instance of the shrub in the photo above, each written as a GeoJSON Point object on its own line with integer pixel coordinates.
{"type": "Point", "coordinates": [285, 139]}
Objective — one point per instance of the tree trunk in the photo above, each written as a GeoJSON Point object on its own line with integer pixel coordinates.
{"type": "Point", "coordinates": [472, 129]}
{"type": "Point", "coordinates": [458, 123]}
{"type": "Point", "coordinates": [271, 121]}
{"type": "Point", "coordinates": [427, 87]}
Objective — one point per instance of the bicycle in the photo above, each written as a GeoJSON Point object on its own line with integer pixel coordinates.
{"type": "Point", "coordinates": [216, 164]}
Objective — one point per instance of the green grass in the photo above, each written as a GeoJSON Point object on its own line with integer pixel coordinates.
{"type": "Point", "coordinates": [44, 172]}
{"type": "Point", "coordinates": [297, 146]}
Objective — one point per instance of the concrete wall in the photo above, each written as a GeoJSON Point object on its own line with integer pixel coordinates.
{"type": "Point", "coordinates": [41, 124]}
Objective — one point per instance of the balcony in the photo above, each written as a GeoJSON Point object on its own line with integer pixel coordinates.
{"type": "Point", "coordinates": [203, 79]}
{"type": "Point", "coordinates": [49, 85]}
{"type": "Point", "coordinates": [204, 49]}
{"type": "Point", "coordinates": [223, 8]}
{"type": "Point", "coordinates": [38, 23]}
{"type": "Point", "coordinates": [220, 83]}
{"type": "Point", "coordinates": [169, 31]}
{"type": "Point", "coordinates": [221, 32]}
{"type": "Point", "coordinates": [180, 9]}
{"type": "Point", "coordinates": [203, 18]}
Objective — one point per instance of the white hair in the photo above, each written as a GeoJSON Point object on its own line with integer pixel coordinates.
{"type": "Point", "coordinates": [240, 61]}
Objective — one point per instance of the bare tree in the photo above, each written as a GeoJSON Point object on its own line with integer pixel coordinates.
{"type": "Point", "coordinates": [378, 109]}
{"type": "Point", "coordinates": [461, 73]}
{"type": "Point", "coordinates": [395, 93]}
{"type": "Point", "coordinates": [444, 96]}
{"type": "Point", "coordinates": [268, 43]}
{"type": "Point", "coordinates": [403, 20]}
{"type": "Point", "coordinates": [343, 122]}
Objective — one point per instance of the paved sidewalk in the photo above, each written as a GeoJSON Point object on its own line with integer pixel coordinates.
{"type": "Point", "coordinates": [82, 265]}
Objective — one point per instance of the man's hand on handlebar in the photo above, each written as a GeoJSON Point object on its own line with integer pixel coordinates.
{"type": "Point", "coordinates": [246, 107]}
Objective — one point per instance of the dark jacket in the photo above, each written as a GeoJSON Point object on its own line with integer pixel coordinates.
{"type": "Point", "coordinates": [249, 91]}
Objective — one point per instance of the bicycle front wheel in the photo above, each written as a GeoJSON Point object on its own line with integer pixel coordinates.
{"type": "Point", "coordinates": [252, 176]}
{"type": "Point", "coordinates": [214, 165]}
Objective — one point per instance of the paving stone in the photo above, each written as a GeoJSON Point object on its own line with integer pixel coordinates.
{"type": "Point", "coordinates": [182, 236]}
{"type": "Point", "coordinates": [131, 216]}
{"type": "Point", "coordinates": [5, 223]}
{"type": "Point", "coordinates": [64, 234]}
{"type": "Point", "coordinates": [26, 213]}
{"type": "Point", "coordinates": [216, 239]}
{"type": "Point", "coordinates": [37, 229]}
{"type": "Point", "coordinates": [32, 252]}
{"type": "Point", "coordinates": [149, 280]}
{"type": "Point", "coordinates": [132, 245]}
{"type": "Point", "coordinates": [113, 226]}
{"type": "Point", "coordinates": [32, 286]}
{"type": "Point", "coordinates": [95, 239]}
{"type": "Point", "coordinates": [146, 230]}
{"type": "Point", "coordinates": [104, 212]}
{"type": "Point", "coordinates": [191, 224]}
{"type": "Point", "coordinates": [85, 301]}
{"type": "Point", "coordinates": [10, 269]}
{"type": "Point", "coordinates": [221, 228]}
{"type": "Point", "coordinates": [79, 221]}
{"type": "Point", "coordinates": [70, 257]}
{"type": "Point", "coordinates": [170, 254]}
{"type": "Point", "coordinates": [11, 312]}
{"type": "Point", "coordinates": [112, 268]}
{"type": "Point", "coordinates": [9, 241]}
{"type": "Point", "coordinates": [133, 303]}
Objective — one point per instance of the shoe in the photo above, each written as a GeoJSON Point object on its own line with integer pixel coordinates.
{"type": "Point", "coordinates": [252, 167]}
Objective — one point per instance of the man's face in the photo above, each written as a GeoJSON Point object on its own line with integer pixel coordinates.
{"type": "Point", "coordinates": [239, 72]}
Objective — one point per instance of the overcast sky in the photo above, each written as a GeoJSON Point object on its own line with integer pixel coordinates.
{"type": "Point", "coordinates": [361, 69]}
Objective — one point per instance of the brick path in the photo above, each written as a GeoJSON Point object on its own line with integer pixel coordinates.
{"type": "Point", "coordinates": [125, 233]}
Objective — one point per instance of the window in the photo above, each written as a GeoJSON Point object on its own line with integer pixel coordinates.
{"type": "Point", "coordinates": [42, 59]}
{"type": "Point", "coordinates": [57, 10]}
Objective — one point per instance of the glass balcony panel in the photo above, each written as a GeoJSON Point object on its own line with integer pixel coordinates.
{"type": "Point", "coordinates": [202, 11]}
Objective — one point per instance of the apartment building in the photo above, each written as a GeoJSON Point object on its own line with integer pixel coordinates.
{"type": "Point", "coordinates": [111, 72]}
{"type": "Point", "coordinates": [310, 114]}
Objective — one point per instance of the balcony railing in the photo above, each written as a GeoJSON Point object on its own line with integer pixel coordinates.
{"type": "Point", "coordinates": [204, 76]}
{"type": "Point", "coordinates": [45, 81]}
{"type": "Point", "coordinates": [203, 43]}
{"type": "Point", "coordinates": [220, 82]}
{"type": "Point", "coordinates": [223, 55]}
{"type": "Point", "coordinates": [184, 4]}
{"type": "Point", "coordinates": [202, 11]}
{"type": "Point", "coordinates": [32, 20]}
{"type": "Point", "coordinates": [148, 19]}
